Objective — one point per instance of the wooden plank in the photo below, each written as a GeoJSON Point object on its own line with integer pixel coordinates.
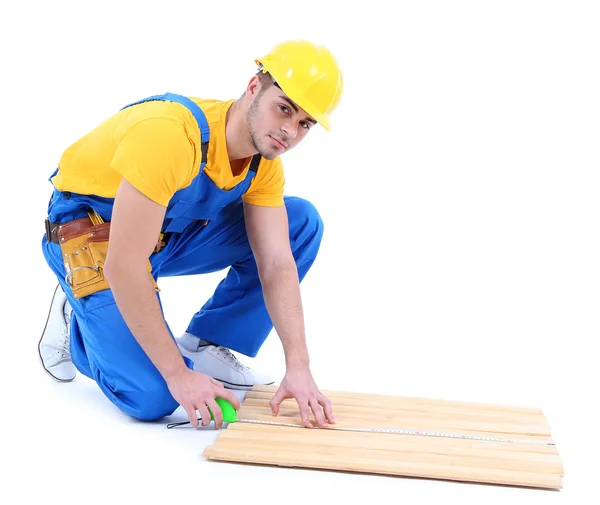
{"type": "Point", "coordinates": [378, 399]}
{"type": "Point", "coordinates": [364, 465]}
{"type": "Point", "coordinates": [414, 443]}
{"type": "Point", "coordinates": [494, 462]}
{"type": "Point", "coordinates": [446, 423]}
{"type": "Point", "coordinates": [344, 406]}
{"type": "Point", "coordinates": [425, 426]}
{"type": "Point", "coordinates": [395, 447]}
{"type": "Point", "coordinates": [284, 448]}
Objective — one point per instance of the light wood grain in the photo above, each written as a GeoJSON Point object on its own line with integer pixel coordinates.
{"type": "Point", "coordinates": [493, 462]}
{"type": "Point", "coordinates": [378, 399]}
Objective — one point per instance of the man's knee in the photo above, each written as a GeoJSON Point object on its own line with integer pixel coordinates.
{"type": "Point", "coordinates": [305, 221]}
{"type": "Point", "coordinates": [148, 403]}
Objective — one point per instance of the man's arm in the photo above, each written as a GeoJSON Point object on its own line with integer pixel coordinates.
{"type": "Point", "coordinates": [134, 230]}
{"type": "Point", "coordinates": [268, 234]}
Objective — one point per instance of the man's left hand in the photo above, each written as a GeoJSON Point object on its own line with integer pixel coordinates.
{"type": "Point", "coordinates": [299, 384]}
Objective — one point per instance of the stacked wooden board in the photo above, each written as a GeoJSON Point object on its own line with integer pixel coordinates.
{"type": "Point", "coordinates": [521, 454]}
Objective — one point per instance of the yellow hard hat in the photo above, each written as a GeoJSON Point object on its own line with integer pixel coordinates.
{"type": "Point", "coordinates": [308, 74]}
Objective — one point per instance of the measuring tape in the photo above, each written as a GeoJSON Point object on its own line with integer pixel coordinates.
{"type": "Point", "coordinates": [406, 432]}
{"type": "Point", "coordinates": [391, 431]}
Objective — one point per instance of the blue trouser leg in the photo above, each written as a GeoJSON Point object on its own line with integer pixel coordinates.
{"type": "Point", "coordinates": [103, 349]}
{"type": "Point", "coordinates": [235, 316]}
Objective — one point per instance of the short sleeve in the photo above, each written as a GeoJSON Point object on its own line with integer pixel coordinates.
{"type": "Point", "coordinates": [267, 186]}
{"type": "Point", "coordinates": [156, 156]}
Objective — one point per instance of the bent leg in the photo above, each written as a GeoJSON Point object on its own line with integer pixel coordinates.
{"type": "Point", "coordinates": [236, 316]}
{"type": "Point", "coordinates": [104, 349]}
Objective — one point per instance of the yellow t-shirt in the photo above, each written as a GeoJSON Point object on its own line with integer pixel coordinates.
{"type": "Point", "coordinates": [156, 147]}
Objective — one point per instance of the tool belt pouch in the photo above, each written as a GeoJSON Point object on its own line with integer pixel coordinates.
{"type": "Point", "coordinates": [84, 250]}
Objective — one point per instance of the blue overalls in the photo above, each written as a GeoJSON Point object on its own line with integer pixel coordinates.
{"type": "Point", "coordinates": [207, 234]}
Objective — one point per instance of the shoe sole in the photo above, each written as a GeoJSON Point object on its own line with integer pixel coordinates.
{"type": "Point", "coordinates": [42, 338]}
{"type": "Point", "coordinates": [240, 387]}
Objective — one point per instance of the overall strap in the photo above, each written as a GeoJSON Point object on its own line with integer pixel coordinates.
{"type": "Point", "coordinates": [255, 162]}
{"type": "Point", "coordinates": [193, 108]}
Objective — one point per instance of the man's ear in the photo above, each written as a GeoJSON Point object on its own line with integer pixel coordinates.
{"type": "Point", "coordinates": [253, 88]}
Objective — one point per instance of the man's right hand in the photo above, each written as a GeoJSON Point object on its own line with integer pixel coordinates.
{"type": "Point", "coordinates": [197, 391]}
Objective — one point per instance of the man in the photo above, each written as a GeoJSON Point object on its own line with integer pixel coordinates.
{"type": "Point", "coordinates": [178, 186]}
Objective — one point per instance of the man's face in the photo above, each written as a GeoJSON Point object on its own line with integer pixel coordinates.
{"type": "Point", "coordinates": [275, 123]}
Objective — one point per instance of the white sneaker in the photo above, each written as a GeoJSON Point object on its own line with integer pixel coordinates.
{"type": "Point", "coordinates": [220, 363]}
{"type": "Point", "coordinates": [53, 347]}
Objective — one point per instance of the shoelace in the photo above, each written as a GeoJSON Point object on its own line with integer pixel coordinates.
{"type": "Point", "coordinates": [230, 357]}
{"type": "Point", "coordinates": [64, 346]}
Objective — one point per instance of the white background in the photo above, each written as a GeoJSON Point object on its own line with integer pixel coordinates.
{"type": "Point", "coordinates": [459, 190]}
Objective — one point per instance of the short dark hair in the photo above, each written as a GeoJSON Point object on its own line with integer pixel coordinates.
{"type": "Point", "coordinates": [265, 80]}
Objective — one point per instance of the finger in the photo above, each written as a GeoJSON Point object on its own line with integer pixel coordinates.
{"type": "Point", "coordinates": [304, 413]}
{"type": "Point", "coordinates": [192, 415]}
{"type": "Point", "coordinates": [217, 383]}
{"type": "Point", "coordinates": [228, 395]}
{"type": "Point", "coordinates": [204, 414]}
{"type": "Point", "coordinates": [216, 411]}
{"type": "Point", "coordinates": [233, 399]}
{"type": "Point", "coordinates": [326, 404]}
{"type": "Point", "coordinates": [317, 412]}
{"type": "Point", "coordinates": [278, 397]}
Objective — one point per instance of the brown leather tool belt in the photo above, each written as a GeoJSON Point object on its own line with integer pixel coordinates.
{"type": "Point", "coordinates": [59, 232]}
